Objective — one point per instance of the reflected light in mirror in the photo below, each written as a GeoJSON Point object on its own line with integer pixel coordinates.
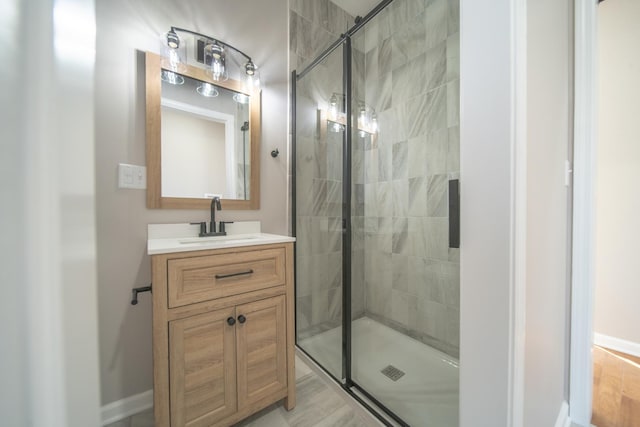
{"type": "Point", "coordinates": [241, 98]}
{"type": "Point", "coordinates": [171, 77]}
{"type": "Point", "coordinates": [208, 90]}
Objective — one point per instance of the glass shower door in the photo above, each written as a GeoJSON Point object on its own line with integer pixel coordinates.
{"type": "Point", "coordinates": [319, 138]}
{"type": "Point", "coordinates": [405, 168]}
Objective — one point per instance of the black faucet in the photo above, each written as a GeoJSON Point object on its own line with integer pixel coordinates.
{"type": "Point", "coordinates": [215, 203]}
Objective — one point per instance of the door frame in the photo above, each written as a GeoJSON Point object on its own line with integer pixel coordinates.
{"type": "Point", "coordinates": [584, 166]}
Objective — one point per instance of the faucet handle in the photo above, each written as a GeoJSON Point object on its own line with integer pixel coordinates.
{"type": "Point", "coordinates": [203, 227]}
{"type": "Point", "coordinates": [222, 226]}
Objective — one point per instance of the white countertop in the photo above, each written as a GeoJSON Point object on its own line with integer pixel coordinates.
{"type": "Point", "coordinates": [169, 238]}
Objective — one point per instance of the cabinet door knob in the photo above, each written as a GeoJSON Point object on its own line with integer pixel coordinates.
{"type": "Point", "coordinates": [242, 319]}
{"type": "Point", "coordinates": [231, 321]}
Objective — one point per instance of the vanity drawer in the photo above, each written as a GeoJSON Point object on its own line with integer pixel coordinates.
{"type": "Point", "coordinates": [202, 278]}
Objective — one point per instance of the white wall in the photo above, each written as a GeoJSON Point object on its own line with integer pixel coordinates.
{"type": "Point", "coordinates": [617, 297]}
{"type": "Point", "coordinates": [49, 356]}
{"type": "Point", "coordinates": [124, 26]}
{"type": "Point", "coordinates": [514, 212]}
{"type": "Point", "coordinates": [549, 124]}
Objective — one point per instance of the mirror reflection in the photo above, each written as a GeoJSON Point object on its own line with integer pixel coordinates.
{"type": "Point", "coordinates": [206, 144]}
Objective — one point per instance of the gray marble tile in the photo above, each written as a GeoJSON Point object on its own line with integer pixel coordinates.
{"type": "Point", "coordinates": [435, 65]}
{"type": "Point", "coordinates": [334, 242]}
{"type": "Point", "coordinates": [371, 66]}
{"type": "Point", "coordinates": [437, 238]}
{"type": "Point", "coordinates": [417, 197]}
{"type": "Point", "coordinates": [433, 319]}
{"type": "Point", "coordinates": [385, 57]}
{"type": "Point", "coordinates": [453, 57]}
{"type": "Point", "coordinates": [385, 199]}
{"type": "Point", "coordinates": [314, 10]}
{"type": "Point", "coordinates": [437, 196]}
{"type": "Point", "coordinates": [450, 279]}
{"type": "Point", "coordinates": [416, 279]}
{"type": "Point", "coordinates": [453, 328]}
{"type": "Point", "coordinates": [319, 235]}
{"type": "Point", "coordinates": [400, 307]}
{"type": "Point", "coordinates": [370, 166]}
{"type": "Point", "coordinates": [371, 203]}
{"type": "Point", "coordinates": [319, 272]}
{"type": "Point", "coordinates": [453, 16]}
{"type": "Point", "coordinates": [437, 151]}
{"type": "Point", "coordinates": [342, 417]}
{"type": "Point", "coordinates": [303, 235]}
{"type": "Point", "coordinates": [334, 198]}
{"type": "Point", "coordinates": [335, 304]}
{"type": "Point", "coordinates": [397, 16]}
{"type": "Point", "coordinates": [319, 306]}
{"type": "Point", "coordinates": [427, 112]}
{"type": "Point", "coordinates": [385, 162]}
{"type": "Point", "coordinates": [453, 151]}
{"type": "Point", "coordinates": [400, 278]}
{"type": "Point", "coordinates": [399, 48]}
{"type": "Point", "coordinates": [303, 280]}
{"type": "Point", "coordinates": [399, 162]}
{"type": "Point", "coordinates": [303, 312]}
{"type": "Point", "coordinates": [453, 103]}
{"type": "Point", "coordinates": [400, 197]}
{"type": "Point", "coordinates": [339, 20]}
{"type": "Point", "coordinates": [417, 157]}
{"type": "Point", "coordinates": [435, 22]}
{"type": "Point", "coordinates": [454, 255]}
{"type": "Point", "coordinates": [319, 192]}
{"type": "Point", "coordinates": [334, 270]}
{"type": "Point", "coordinates": [400, 236]}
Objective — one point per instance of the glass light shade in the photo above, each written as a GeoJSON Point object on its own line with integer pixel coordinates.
{"type": "Point", "coordinates": [217, 68]}
{"type": "Point", "coordinates": [173, 58]}
{"type": "Point", "coordinates": [374, 123]}
{"type": "Point", "coordinates": [207, 90]}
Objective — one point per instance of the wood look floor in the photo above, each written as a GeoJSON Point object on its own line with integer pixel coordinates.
{"type": "Point", "coordinates": [616, 389]}
{"type": "Point", "coordinates": [318, 405]}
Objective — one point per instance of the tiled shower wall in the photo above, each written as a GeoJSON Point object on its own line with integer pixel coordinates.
{"type": "Point", "coordinates": [405, 66]}
{"type": "Point", "coordinates": [412, 277]}
{"type": "Point", "coordinates": [314, 25]}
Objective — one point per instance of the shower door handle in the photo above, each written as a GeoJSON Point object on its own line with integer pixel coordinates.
{"type": "Point", "coordinates": [454, 213]}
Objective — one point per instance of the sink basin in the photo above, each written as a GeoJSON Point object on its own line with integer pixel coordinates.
{"type": "Point", "coordinates": [215, 239]}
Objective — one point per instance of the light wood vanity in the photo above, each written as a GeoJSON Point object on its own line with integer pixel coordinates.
{"type": "Point", "coordinates": [223, 333]}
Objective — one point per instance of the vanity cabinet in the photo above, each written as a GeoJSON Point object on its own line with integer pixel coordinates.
{"type": "Point", "coordinates": [223, 334]}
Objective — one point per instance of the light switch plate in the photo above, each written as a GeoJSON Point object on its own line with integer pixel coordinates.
{"type": "Point", "coordinates": [132, 176]}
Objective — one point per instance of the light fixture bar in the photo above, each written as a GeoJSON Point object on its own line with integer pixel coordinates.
{"type": "Point", "coordinates": [211, 39]}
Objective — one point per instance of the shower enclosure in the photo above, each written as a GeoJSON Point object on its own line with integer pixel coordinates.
{"type": "Point", "coordinates": [376, 168]}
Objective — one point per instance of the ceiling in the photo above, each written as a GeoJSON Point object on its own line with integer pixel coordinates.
{"type": "Point", "coordinates": [356, 7]}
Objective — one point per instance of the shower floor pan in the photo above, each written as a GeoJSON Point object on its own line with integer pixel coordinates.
{"type": "Point", "coordinates": [426, 395]}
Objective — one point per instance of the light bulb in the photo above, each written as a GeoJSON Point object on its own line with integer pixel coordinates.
{"type": "Point", "coordinates": [374, 123]}
{"type": "Point", "coordinates": [218, 67]}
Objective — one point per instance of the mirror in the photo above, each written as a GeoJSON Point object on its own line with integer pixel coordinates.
{"type": "Point", "coordinates": [203, 140]}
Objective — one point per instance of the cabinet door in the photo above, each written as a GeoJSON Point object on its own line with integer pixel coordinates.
{"type": "Point", "coordinates": [202, 368]}
{"type": "Point", "coordinates": [262, 364]}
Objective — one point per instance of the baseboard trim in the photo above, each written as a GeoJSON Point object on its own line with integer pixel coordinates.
{"type": "Point", "coordinates": [563, 416]}
{"type": "Point", "coordinates": [617, 344]}
{"type": "Point", "coordinates": [121, 409]}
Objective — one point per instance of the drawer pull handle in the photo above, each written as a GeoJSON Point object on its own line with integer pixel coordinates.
{"type": "Point", "coordinates": [242, 319]}
{"type": "Point", "coordinates": [231, 321]}
{"type": "Point", "coordinates": [241, 273]}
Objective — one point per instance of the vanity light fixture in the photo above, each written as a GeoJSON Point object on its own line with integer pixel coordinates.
{"type": "Point", "coordinates": [215, 55]}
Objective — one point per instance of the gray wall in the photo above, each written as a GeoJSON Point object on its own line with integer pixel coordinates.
{"type": "Point", "coordinates": [124, 26]}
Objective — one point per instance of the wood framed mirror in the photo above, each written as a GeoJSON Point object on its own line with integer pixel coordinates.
{"type": "Point", "coordinates": [202, 139]}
